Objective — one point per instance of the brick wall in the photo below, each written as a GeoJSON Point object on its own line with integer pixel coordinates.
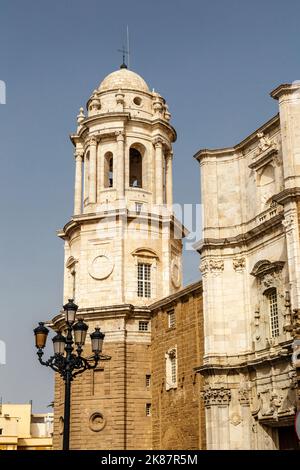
{"type": "Point", "coordinates": [178, 413]}
{"type": "Point", "coordinates": [116, 390]}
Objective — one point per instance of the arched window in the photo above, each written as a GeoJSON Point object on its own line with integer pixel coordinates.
{"type": "Point", "coordinates": [108, 170]}
{"type": "Point", "coordinates": [135, 168]}
{"type": "Point", "coordinates": [271, 295]}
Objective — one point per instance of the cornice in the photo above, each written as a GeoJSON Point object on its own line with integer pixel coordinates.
{"type": "Point", "coordinates": [230, 151]}
{"type": "Point", "coordinates": [246, 361]}
{"type": "Point", "coordinates": [125, 117]}
{"type": "Point", "coordinates": [284, 89]}
{"type": "Point", "coordinates": [264, 159]}
{"type": "Point", "coordinates": [112, 91]}
{"type": "Point", "coordinates": [243, 238]}
{"type": "Point", "coordinates": [78, 220]}
{"type": "Point", "coordinates": [93, 314]}
{"type": "Point", "coordinates": [287, 195]}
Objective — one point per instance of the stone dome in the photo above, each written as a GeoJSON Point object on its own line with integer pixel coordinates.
{"type": "Point", "coordinates": [123, 79]}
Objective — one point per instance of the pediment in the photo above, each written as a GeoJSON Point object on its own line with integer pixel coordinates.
{"type": "Point", "coordinates": [263, 267]}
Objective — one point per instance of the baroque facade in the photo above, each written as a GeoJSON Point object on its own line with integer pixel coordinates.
{"type": "Point", "coordinates": [123, 249]}
{"type": "Point", "coordinates": [250, 258]}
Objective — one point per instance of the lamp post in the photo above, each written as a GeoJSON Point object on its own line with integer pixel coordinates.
{"type": "Point", "coordinates": [65, 361]}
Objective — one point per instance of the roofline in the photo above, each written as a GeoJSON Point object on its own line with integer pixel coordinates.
{"type": "Point", "coordinates": [189, 289]}
{"type": "Point", "coordinates": [241, 145]}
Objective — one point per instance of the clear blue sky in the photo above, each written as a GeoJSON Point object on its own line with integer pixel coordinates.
{"type": "Point", "coordinates": [214, 61]}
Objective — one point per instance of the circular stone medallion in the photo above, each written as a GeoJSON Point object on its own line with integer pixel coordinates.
{"type": "Point", "coordinates": [101, 267]}
{"type": "Point", "coordinates": [97, 422]}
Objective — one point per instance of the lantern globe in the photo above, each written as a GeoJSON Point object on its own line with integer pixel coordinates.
{"type": "Point", "coordinates": [41, 333]}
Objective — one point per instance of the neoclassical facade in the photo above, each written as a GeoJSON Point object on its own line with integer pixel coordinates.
{"type": "Point", "coordinates": [123, 250]}
{"type": "Point", "coordinates": [250, 260]}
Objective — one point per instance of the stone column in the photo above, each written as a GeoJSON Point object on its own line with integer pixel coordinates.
{"type": "Point", "coordinates": [169, 179]}
{"type": "Point", "coordinates": [78, 182]}
{"type": "Point", "coordinates": [93, 170]}
{"type": "Point", "coordinates": [159, 170]}
{"type": "Point", "coordinates": [120, 166]}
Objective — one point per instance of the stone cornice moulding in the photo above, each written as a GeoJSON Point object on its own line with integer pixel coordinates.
{"type": "Point", "coordinates": [113, 91]}
{"type": "Point", "coordinates": [93, 314]}
{"type": "Point", "coordinates": [243, 238]}
{"type": "Point", "coordinates": [125, 117]}
{"type": "Point", "coordinates": [284, 89]}
{"type": "Point", "coordinates": [287, 195]}
{"type": "Point", "coordinates": [93, 217]}
{"type": "Point", "coordinates": [248, 361]}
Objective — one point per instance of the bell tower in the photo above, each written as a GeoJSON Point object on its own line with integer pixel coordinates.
{"type": "Point", "coordinates": [123, 250]}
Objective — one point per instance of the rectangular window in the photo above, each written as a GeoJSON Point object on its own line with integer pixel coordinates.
{"type": "Point", "coordinates": [1, 431]}
{"type": "Point", "coordinates": [148, 381]}
{"type": "Point", "coordinates": [144, 280]}
{"type": "Point", "coordinates": [171, 319]}
{"type": "Point", "coordinates": [138, 207]}
{"type": "Point", "coordinates": [173, 370]}
{"type": "Point", "coordinates": [143, 326]}
{"type": "Point", "coordinates": [148, 409]}
{"type": "Point", "coordinates": [273, 306]}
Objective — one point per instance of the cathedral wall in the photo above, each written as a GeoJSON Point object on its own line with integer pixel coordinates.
{"type": "Point", "coordinates": [239, 183]}
{"type": "Point", "coordinates": [250, 265]}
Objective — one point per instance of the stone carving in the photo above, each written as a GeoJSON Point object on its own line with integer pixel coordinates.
{"type": "Point", "coordinates": [215, 266]}
{"type": "Point", "coordinates": [167, 113]}
{"type": "Point", "coordinates": [272, 404]}
{"type": "Point", "coordinates": [119, 135]}
{"type": "Point", "coordinates": [101, 267]}
{"type": "Point", "coordinates": [158, 141]}
{"type": "Point", "coordinates": [268, 280]}
{"type": "Point", "coordinates": [92, 140]}
{"type": "Point", "coordinates": [80, 116]}
{"type": "Point", "coordinates": [289, 223]}
{"type": "Point", "coordinates": [97, 422]}
{"type": "Point", "coordinates": [244, 397]}
{"type": "Point", "coordinates": [217, 396]}
{"type": "Point", "coordinates": [264, 141]}
{"type": "Point", "coordinates": [95, 102]}
{"type": "Point", "coordinates": [256, 403]}
{"type": "Point", "coordinates": [264, 267]}
{"type": "Point", "coordinates": [204, 267]}
{"type": "Point", "coordinates": [235, 419]}
{"type": "Point", "coordinates": [239, 264]}
{"type": "Point", "coordinates": [79, 154]}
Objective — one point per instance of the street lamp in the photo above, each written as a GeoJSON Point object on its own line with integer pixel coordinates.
{"type": "Point", "coordinates": [65, 361]}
